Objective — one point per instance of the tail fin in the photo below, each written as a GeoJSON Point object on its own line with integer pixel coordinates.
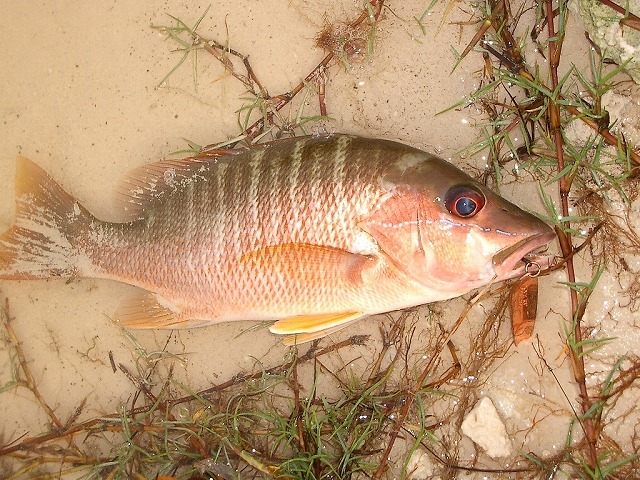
{"type": "Point", "coordinates": [49, 222]}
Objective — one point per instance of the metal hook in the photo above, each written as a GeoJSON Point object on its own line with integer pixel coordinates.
{"type": "Point", "coordinates": [527, 268]}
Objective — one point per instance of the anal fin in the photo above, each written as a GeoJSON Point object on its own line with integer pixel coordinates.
{"type": "Point", "coordinates": [147, 311]}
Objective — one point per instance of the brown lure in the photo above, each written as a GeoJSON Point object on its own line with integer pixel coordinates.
{"type": "Point", "coordinates": [523, 302]}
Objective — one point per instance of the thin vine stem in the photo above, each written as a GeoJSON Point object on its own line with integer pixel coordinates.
{"type": "Point", "coordinates": [555, 48]}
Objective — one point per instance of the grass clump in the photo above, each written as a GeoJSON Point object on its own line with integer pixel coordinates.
{"type": "Point", "coordinates": [534, 112]}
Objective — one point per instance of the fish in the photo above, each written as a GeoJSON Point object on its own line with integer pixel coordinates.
{"type": "Point", "coordinates": [310, 233]}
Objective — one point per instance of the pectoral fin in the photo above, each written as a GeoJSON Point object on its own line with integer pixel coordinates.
{"type": "Point", "coordinates": [313, 264]}
{"type": "Point", "coordinates": [147, 311]}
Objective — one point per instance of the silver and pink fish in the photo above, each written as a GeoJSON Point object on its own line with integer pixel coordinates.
{"type": "Point", "coordinates": [310, 232]}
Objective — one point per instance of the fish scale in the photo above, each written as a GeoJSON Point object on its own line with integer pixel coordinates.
{"type": "Point", "coordinates": [314, 232]}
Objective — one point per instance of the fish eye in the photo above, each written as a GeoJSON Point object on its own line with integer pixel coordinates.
{"type": "Point", "coordinates": [463, 201]}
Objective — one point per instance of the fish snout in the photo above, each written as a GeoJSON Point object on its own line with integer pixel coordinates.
{"type": "Point", "coordinates": [516, 260]}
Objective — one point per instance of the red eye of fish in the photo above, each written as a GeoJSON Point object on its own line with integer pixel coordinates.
{"type": "Point", "coordinates": [463, 201]}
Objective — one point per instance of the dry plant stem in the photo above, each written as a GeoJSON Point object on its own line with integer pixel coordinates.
{"type": "Point", "coordinates": [419, 385]}
{"type": "Point", "coordinates": [96, 425]}
{"type": "Point", "coordinates": [322, 82]}
{"type": "Point", "coordinates": [451, 372]}
{"type": "Point", "coordinates": [297, 411]}
{"type": "Point", "coordinates": [516, 67]}
{"type": "Point", "coordinates": [311, 354]}
{"type": "Point", "coordinates": [28, 381]}
{"type": "Point", "coordinates": [499, 24]}
{"type": "Point", "coordinates": [389, 339]}
{"type": "Point", "coordinates": [605, 133]}
{"type": "Point", "coordinates": [496, 20]}
{"type": "Point", "coordinates": [212, 47]}
{"type": "Point", "coordinates": [555, 48]}
{"type": "Point", "coordinates": [280, 101]}
{"type": "Point", "coordinates": [620, 10]}
{"type": "Point", "coordinates": [610, 138]}
{"type": "Point", "coordinates": [560, 263]}
{"type": "Point", "coordinates": [482, 30]}
{"type": "Point", "coordinates": [635, 24]}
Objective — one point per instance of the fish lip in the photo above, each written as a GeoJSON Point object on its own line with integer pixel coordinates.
{"type": "Point", "coordinates": [510, 261]}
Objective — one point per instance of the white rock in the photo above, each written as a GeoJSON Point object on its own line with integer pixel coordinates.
{"type": "Point", "coordinates": [420, 466]}
{"type": "Point", "coordinates": [624, 110]}
{"type": "Point", "coordinates": [484, 426]}
{"type": "Point", "coordinates": [621, 43]}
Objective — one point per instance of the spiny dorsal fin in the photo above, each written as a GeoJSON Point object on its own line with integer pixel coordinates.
{"type": "Point", "coordinates": [145, 186]}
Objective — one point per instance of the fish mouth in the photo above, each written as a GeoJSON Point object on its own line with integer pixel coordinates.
{"type": "Point", "coordinates": [516, 260]}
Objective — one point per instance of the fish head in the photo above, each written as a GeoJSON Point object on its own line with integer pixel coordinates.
{"type": "Point", "coordinates": [447, 231]}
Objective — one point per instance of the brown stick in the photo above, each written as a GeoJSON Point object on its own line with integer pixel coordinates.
{"type": "Point", "coordinates": [280, 101]}
{"type": "Point", "coordinates": [622, 11]}
{"type": "Point", "coordinates": [555, 48]}
{"type": "Point", "coordinates": [419, 384]}
{"type": "Point", "coordinates": [29, 382]}
{"type": "Point", "coordinates": [100, 424]}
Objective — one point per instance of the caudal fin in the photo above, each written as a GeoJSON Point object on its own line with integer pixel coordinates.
{"type": "Point", "coordinates": [44, 240]}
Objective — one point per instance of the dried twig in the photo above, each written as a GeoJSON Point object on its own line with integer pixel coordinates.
{"type": "Point", "coordinates": [420, 383]}
{"type": "Point", "coordinates": [371, 13]}
{"type": "Point", "coordinates": [101, 424]}
{"type": "Point", "coordinates": [28, 382]}
{"type": "Point", "coordinates": [555, 47]}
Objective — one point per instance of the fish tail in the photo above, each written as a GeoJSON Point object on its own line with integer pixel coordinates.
{"type": "Point", "coordinates": [44, 241]}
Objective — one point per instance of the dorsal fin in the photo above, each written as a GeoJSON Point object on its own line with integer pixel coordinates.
{"type": "Point", "coordinates": [146, 185]}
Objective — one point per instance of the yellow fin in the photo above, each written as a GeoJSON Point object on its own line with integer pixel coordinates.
{"type": "Point", "coordinates": [300, 338]}
{"type": "Point", "coordinates": [146, 311]}
{"type": "Point", "coordinates": [313, 323]}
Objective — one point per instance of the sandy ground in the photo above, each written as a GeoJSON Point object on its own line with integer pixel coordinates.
{"type": "Point", "coordinates": [80, 97]}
